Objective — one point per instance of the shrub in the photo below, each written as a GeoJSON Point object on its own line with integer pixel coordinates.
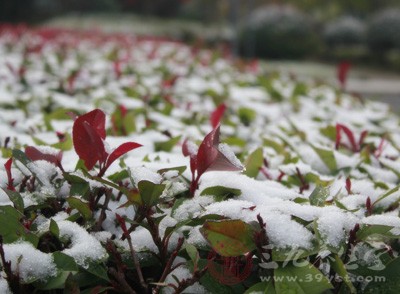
{"type": "Point", "coordinates": [86, 209]}
{"type": "Point", "coordinates": [384, 30]}
{"type": "Point", "coordinates": [345, 31]}
{"type": "Point", "coordinates": [279, 32]}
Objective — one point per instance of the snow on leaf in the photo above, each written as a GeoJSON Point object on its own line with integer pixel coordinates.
{"type": "Point", "coordinates": [52, 156]}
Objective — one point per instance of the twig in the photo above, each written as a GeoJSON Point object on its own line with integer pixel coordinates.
{"type": "Point", "coordinates": [190, 281]}
{"type": "Point", "coordinates": [168, 266]}
{"type": "Point", "coordinates": [137, 263]}
{"type": "Point", "coordinates": [120, 277]}
{"type": "Point", "coordinates": [103, 216]}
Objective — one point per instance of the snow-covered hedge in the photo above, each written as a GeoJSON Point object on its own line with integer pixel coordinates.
{"type": "Point", "coordinates": [128, 165]}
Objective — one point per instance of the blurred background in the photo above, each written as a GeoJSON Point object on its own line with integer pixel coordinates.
{"type": "Point", "coordinates": [307, 37]}
{"type": "Point", "coordinates": [363, 31]}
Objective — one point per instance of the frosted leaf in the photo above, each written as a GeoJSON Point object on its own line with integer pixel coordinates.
{"type": "Point", "coordinates": [192, 207]}
{"type": "Point", "coordinates": [386, 220]}
{"type": "Point", "coordinates": [196, 238]}
{"type": "Point", "coordinates": [102, 236]}
{"type": "Point", "coordinates": [142, 240]}
{"type": "Point", "coordinates": [283, 232]}
{"type": "Point", "coordinates": [333, 224]}
{"type": "Point", "coordinates": [228, 153]}
{"type": "Point", "coordinates": [84, 247]}
{"type": "Point", "coordinates": [142, 173]}
{"type": "Point", "coordinates": [33, 264]}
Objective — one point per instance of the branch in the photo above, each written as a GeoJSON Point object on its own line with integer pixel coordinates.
{"type": "Point", "coordinates": [168, 266]}
{"type": "Point", "coordinates": [120, 277]}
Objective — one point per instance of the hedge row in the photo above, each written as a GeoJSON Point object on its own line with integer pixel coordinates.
{"type": "Point", "coordinates": [285, 32]}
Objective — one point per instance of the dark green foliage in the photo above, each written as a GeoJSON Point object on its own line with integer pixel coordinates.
{"type": "Point", "coordinates": [384, 30]}
{"type": "Point", "coordinates": [279, 32]}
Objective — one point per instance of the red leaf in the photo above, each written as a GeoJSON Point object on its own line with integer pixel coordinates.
{"type": "Point", "coordinates": [88, 143]}
{"type": "Point", "coordinates": [97, 119]}
{"type": "Point", "coordinates": [348, 185]}
{"type": "Point", "coordinates": [10, 183]}
{"type": "Point", "coordinates": [207, 151]}
{"type": "Point", "coordinates": [349, 134]}
{"type": "Point", "coordinates": [121, 150]}
{"type": "Point", "coordinates": [217, 114]}
{"type": "Point", "coordinates": [379, 150]}
{"type": "Point", "coordinates": [117, 68]}
{"type": "Point", "coordinates": [193, 164]}
{"type": "Point", "coordinates": [363, 135]}
{"type": "Point", "coordinates": [34, 154]}
{"type": "Point", "coordinates": [342, 71]}
{"type": "Point", "coordinates": [209, 158]}
{"type": "Point", "coordinates": [122, 223]}
{"type": "Point", "coordinates": [168, 83]}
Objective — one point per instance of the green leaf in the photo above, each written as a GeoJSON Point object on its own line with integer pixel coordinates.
{"type": "Point", "coordinates": [307, 279]}
{"type": "Point", "coordinates": [339, 267]}
{"type": "Point", "coordinates": [246, 115]}
{"type": "Point", "coordinates": [54, 228]}
{"type": "Point", "coordinates": [274, 145]}
{"type": "Point", "coordinates": [367, 231]}
{"type": "Point", "coordinates": [262, 288]}
{"type": "Point", "coordinates": [210, 283]}
{"type": "Point", "coordinates": [318, 196]}
{"type": "Point", "coordinates": [71, 285]}
{"type": "Point", "coordinates": [15, 198]}
{"type": "Point", "coordinates": [327, 156]}
{"type": "Point", "coordinates": [64, 145]}
{"type": "Point", "coordinates": [80, 205]}
{"type": "Point", "coordinates": [119, 176]}
{"type": "Point", "coordinates": [192, 252]}
{"type": "Point", "coordinates": [98, 269]}
{"type": "Point", "coordinates": [387, 194]}
{"type": "Point", "coordinates": [179, 169]}
{"type": "Point", "coordinates": [386, 281]}
{"type": "Point", "coordinates": [229, 237]}
{"type": "Point", "coordinates": [253, 163]}
{"type": "Point", "coordinates": [150, 192]}
{"type": "Point", "coordinates": [56, 282]}
{"type": "Point", "coordinates": [64, 262]}
{"type": "Point", "coordinates": [329, 132]}
{"type": "Point", "coordinates": [166, 145]}
{"type": "Point", "coordinates": [221, 193]}
{"type": "Point", "coordinates": [129, 122]}
{"type": "Point", "coordinates": [79, 186]}
{"type": "Point", "coordinates": [234, 141]}
{"type": "Point", "coordinates": [20, 156]}
{"type": "Point", "coordinates": [288, 253]}
{"type": "Point", "coordinates": [10, 227]}
{"type": "Point", "coordinates": [58, 114]}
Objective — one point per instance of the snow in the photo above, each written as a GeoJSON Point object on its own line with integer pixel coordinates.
{"type": "Point", "coordinates": [183, 273]}
{"type": "Point", "coordinates": [230, 155]}
{"type": "Point", "coordinates": [141, 173]}
{"type": "Point", "coordinates": [333, 224]}
{"type": "Point", "coordinates": [4, 288]}
{"type": "Point", "coordinates": [295, 126]}
{"type": "Point", "coordinates": [84, 247]}
{"type": "Point", "coordinates": [31, 263]}
{"type": "Point", "coordinates": [386, 220]}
